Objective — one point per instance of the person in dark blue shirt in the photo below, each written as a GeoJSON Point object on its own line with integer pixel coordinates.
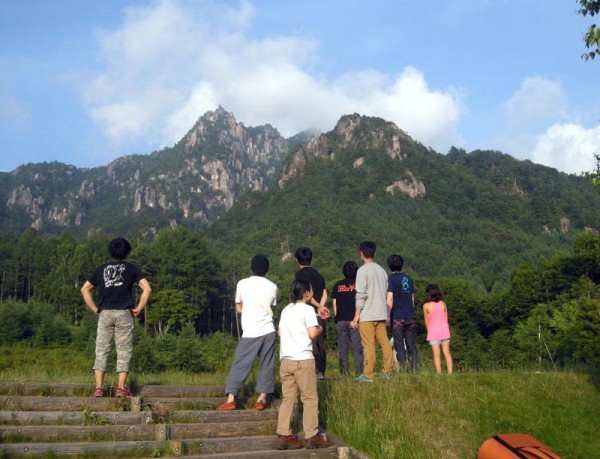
{"type": "Point", "coordinates": [401, 303]}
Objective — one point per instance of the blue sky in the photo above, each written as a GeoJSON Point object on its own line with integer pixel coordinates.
{"type": "Point", "coordinates": [86, 81]}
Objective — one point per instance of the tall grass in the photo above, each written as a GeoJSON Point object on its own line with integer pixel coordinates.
{"type": "Point", "coordinates": [437, 416]}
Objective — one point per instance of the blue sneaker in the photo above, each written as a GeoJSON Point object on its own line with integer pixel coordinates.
{"type": "Point", "coordinates": [363, 378]}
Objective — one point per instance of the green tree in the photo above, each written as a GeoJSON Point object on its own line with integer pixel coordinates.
{"type": "Point", "coordinates": [587, 331]}
{"type": "Point", "coordinates": [592, 35]}
{"type": "Point", "coordinates": [16, 322]}
{"type": "Point", "coordinates": [69, 265]}
{"type": "Point", "coordinates": [170, 311]}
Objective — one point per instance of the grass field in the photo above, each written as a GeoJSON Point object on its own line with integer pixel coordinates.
{"type": "Point", "coordinates": [410, 416]}
{"type": "Point", "coordinates": [431, 416]}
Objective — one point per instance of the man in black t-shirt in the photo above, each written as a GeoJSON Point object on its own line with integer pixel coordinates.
{"type": "Point", "coordinates": [319, 301]}
{"type": "Point", "coordinates": [116, 311]}
{"type": "Point", "coordinates": [343, 295]}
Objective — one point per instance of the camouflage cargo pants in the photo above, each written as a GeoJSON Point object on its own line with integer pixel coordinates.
{"type": "Point", "coordinates": [117, 324]}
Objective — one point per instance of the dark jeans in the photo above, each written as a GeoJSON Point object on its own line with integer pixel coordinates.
{"type": "Point", "coordinates": [347, 335]}
{"type": "Point", "coordinates": [404, 332]}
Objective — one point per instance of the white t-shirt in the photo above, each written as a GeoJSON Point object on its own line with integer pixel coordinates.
{"type": "Point", "coordinates": [258, 295]}
{"type": "Point", "coordinates": [295, 342]}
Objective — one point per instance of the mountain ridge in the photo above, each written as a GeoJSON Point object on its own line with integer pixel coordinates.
{"type": "Point", "coordinates": [198, 180]}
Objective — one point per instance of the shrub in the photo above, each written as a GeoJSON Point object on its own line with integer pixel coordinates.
{"type": "Point", "coordinates": [219, 350]}
{"type": "Point", "coordinates": [16, 321]}
{"type": "Point", "coordinates": [145, 357]}
{"type": "Point", "coordinates": [189, 355]}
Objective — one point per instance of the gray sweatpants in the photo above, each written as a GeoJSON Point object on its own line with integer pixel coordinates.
{"type": "Point", "coordinates": [117, 324]}
{"type": "Point", "coordinates": [247, 351]}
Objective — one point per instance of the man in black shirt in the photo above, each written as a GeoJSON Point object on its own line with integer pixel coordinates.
{"type": "Point", "coordinates": [319, 301]}
{"type": "Point", "coordinates": [116, 311]}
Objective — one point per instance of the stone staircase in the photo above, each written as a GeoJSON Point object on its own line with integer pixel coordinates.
{"type": "Point", "coordinates": [63, 420]}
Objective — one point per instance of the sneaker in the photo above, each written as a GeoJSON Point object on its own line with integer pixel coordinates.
{"type": "Point", "coordinates": [363, 378]}
{"type": "Point", "coordinates": [260, 405]}
{"type": "Point", "coordinates": [385, 376]}
{"type": "Point", "coordinates": [320, 377]}
{"type": "Point", "coordinates": [318, 441]}
{"type": "Point", "coordinates": [99, 392]}
{"type": "Point", "coordinates": [227, 406]}
{"type": "Point", "coordinates": [123, 392]}
{"type": "Point", "coordinates": [288, 442]}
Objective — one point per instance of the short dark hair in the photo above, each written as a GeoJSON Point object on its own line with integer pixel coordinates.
{"type": "Point", "coordinates": [304, 256]}
{"type": "Point", "coordinates": [299, 288]}
{"type": "Point", "coordinates": [395, 262]}
{"type": "Point", "coordinates": [432, 293]}
{"type": "Point", "coordinates": [119, 248]}
{"type": "Point", "coordinates": [368, 249]}
{"type": "Point", "coordinates": [259, 265]}
{"type": "Point", "coordinates": [350, 269]}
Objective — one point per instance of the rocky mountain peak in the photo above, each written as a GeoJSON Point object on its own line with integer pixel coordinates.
{"type": "Point", "coordinates": [351, 131]}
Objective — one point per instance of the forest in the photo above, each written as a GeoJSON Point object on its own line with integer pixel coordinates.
{"type": "Point", "coordinates": [546, 316]}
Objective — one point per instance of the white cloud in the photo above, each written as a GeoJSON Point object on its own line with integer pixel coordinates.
{"type": "Point", "coordinates": [568, 147]}
{"type": "Point", "coordinates": [13, 112]}
{"type": "Point", "coordinates": [172, 61]}
{"type": "Point", "coordinates": [533, 132]}
{"type": "Point", "coordinates": [537, 101]}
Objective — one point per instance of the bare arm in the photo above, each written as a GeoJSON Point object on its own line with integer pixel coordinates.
{"type": "Point", "coordinates": [86, 291]}
{"type": "Point", "coordinates": [313, 332]}
{"type": "Point", "coordinates": [334, 307]}
{"type": "Point", "coordinates": [146, 290]}
{"type": "Point", "coordinates": [354, 323]}
{"type": "Point", "coordinates": [238, 307]}
{"type": "Point", "coordinates": [425, 315]}
{"type": "Point", "coordinates": [322, 309]}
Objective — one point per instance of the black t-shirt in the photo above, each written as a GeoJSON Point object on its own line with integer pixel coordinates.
{"type": "Point", "coordinates": [115, 284]}
{"type": "Point", "coordinates": [344, 293]}
{"type": "Point", "coordinates": [316, 281]}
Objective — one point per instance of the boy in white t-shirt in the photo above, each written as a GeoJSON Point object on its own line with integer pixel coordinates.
{"type": "Point", "coordinates": [255, 297]}
{"type": "Point", "coordinates": [298, 326]}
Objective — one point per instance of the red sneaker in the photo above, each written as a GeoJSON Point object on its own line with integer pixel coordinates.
{"type": "Point", "coordinates": [123, 392]}
{"type": "Point", "coordinates": [260, 405]}
{"type": "Point", "coordinates": [99, 392]}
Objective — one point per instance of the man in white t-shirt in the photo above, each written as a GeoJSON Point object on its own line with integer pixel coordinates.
{"type": "Point", "coordinates": [255, 297]}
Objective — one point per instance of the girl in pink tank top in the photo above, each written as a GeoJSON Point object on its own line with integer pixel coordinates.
{"type": "Point", "coordinates": [435, 313]}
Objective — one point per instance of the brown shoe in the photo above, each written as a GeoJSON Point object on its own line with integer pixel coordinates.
{"type": "Point", "coordinates": [288, 442]}
{"type": "Point", "coordinates": [318, 441]}
{"type": "Point", "coordinates": [227, 406]}
{"type": "Point", "coordinates": [260, 405]}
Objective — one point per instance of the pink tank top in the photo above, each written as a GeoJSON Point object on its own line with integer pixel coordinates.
{"type": "Point", "coordinates": [438, 328]}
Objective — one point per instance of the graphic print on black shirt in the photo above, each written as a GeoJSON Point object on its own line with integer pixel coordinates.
{"type": "Point", "coordinates": [113, 275]}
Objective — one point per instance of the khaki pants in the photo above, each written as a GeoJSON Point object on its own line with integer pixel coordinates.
{"type": "Point", "coordinates": [371, 332]}
{"type": "Point", "coordinates": [298, 376]}
{"type": "Point", "coordinates": [117, 324]}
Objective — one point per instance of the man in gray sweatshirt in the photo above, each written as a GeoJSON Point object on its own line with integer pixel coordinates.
{"type": "Point", "coordinates": [372, 313]}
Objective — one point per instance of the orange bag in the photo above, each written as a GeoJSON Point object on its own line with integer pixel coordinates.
{"type": "Point", "coordinates": [514, 446]}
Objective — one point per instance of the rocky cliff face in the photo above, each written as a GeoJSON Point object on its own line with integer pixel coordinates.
{"type": "Point", "coordinates": [196, 181]}
{"type": "Point", "coordinates": [360, 133]}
